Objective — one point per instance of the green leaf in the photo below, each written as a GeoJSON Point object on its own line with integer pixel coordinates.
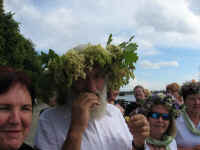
{"type": "Point", "coordinates": [131, 38]}
{"type": "Point", "coordinates": [109, 40]}
{"type": "Point", "coordinates": [129, 53]}
{"type": "Point", "coordinates": [123, 45]}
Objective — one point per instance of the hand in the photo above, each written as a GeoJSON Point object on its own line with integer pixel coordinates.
{"type": "Point", "coordinates": [81, 111]}
{"type": "Point", "coordinates": [140, 129]}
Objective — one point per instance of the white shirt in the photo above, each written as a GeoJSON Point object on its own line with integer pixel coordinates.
{"type": "Point", "coordinates": [184, 137]}
{"type": "Point", "coordinates": [172, 146]}
{"type": "Point", "coordinates": [109, 133]}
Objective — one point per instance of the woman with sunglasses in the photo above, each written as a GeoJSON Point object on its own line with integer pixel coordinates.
{"type": "Point", "coordinates": [188, 124]}
{"type": "Point", "coordinates": [161, 111]}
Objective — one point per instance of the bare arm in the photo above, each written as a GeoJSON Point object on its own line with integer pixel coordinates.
{"type": "Point", "coordinates": [73, 141]}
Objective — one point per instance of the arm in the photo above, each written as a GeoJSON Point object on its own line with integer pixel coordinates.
{"type": "Point", "coordinates": [79, 121]}
{"type": "Point", "coordinates": [73, 141]}
{"type": "Point", "coordinates": [140, 129]}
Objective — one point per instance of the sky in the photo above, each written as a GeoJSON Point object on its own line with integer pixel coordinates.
{"type": "Point", "coordinates": [166, 31]}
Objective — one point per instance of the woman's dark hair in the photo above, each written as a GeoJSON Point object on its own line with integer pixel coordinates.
{"type": "Point", "coordinates": [9, 77]}
{"type": "Point", "coordinates": [189, 88]}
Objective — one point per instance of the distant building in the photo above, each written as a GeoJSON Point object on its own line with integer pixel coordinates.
{"type": "Point", "coordinates": [126, 96]}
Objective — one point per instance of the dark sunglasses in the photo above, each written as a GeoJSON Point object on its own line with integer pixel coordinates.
{"type": "Point", "coordinates": [156, 115]}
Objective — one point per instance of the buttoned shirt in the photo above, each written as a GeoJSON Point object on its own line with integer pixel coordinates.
{"type": "Point", "coordinates": [108, 133]}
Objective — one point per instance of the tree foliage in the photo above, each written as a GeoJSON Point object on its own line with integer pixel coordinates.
{"type": "Point", "coordinates": [1, 7]}
{"type": "Point", "coordinates": [15, 50]}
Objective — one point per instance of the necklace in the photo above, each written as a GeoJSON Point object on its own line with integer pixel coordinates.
{"type": "Point", "coordinates": [165, 142]}
{"type": "Point", "coordinates": [190, 124]}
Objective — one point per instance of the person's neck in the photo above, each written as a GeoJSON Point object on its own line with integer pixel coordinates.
{"type": "Point", "coordinates": [138, 101]}
{"type": "Point", "coordinates": [156, 136]}
{"type": "Point", "coordinates": [194, 117]}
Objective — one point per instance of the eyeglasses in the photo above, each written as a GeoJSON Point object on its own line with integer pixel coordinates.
{"type": "Point", "coordinates": [156, 115]}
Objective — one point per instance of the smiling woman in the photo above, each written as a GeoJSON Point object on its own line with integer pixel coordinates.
{"type": "Point", "coordinates": [161, 111]}
{"type": "Point", "coordinates": [16, 95]}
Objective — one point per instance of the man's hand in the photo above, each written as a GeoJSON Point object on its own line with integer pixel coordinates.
{"type": "Point", "coordinates": [140, 129]}
{"type": "Point", "coordinates": [81, 111]}
{"type": "Point", "coordinates": [79, 121]}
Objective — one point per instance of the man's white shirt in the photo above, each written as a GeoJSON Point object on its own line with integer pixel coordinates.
{"type": "Point", "coordinates": [109, 133]}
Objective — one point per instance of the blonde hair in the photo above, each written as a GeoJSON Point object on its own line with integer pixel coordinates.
{"type": "Point", "coordinates": [147, 93]}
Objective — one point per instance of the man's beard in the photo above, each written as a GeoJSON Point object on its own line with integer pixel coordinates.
{"type": "Point", "coordinates": [97, 111]}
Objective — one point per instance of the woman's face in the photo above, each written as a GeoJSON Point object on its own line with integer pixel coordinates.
{"type": "Point", "coordinates": [15, 117]}
{"type": "Point", "coordinates": [192, 103]}
{"type": "Point", "coordinates": [159, 121]}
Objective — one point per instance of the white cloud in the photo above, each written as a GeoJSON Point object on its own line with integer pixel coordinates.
{"type": "Point", "coordinates": [145, 83]}
{"type": "Point", "coordinates": [66, 24]}
{"type": "Point", "coordinates": [150, 65]}
{"type": "Point", "coordinates": [146, 48]}
{"type": "Point", "coordinates": [161, 17]}
{"type": "Point", "coordinates": [194, 6]}
{"type": "Point", "coordinates": [168, 24]}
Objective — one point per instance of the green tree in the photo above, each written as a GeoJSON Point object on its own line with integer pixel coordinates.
{"type": "Point", "coordinates": [46, 81]}
{"type": "Point", "coordinates": [15, 50]}
{"type": "Point", "coordinates": [1, 7]}
{"type": "Point", "coordinates": [18, 52]}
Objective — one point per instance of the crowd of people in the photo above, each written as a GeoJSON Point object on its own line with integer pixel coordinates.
{"type": "Point", "coordinates": [173, 115]}
{"type": "Point", "coordinates": [86, 117]}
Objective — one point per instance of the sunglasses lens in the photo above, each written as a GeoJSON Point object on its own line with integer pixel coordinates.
{"type": "Point", "coordinates": [156, 115]}
{"type": "Point", "coordinates": [165, 117]}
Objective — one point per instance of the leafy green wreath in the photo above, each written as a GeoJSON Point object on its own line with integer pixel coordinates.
{"type": "Point", "coordinates": [116, 61]}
